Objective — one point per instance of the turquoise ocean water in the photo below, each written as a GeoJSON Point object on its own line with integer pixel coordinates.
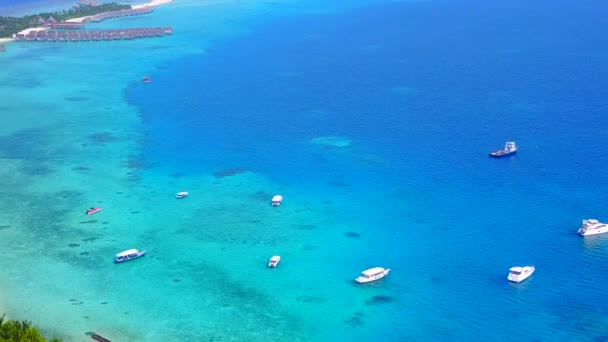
{"type": "Point", "coordinates": [373, 118]}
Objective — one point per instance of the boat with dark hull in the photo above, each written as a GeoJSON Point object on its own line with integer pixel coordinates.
{"type": "Point", "coordinates": [510, 149]}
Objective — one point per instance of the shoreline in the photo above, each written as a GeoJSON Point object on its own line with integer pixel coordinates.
{"type": "Point", "coordinates": [152, 3]}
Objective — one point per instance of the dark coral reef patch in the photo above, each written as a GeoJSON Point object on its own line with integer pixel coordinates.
{"type": "Point", "coordinates": [228, 172]}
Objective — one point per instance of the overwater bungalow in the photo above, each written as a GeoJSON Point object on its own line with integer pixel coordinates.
{"type": "Point", "coordinates": [93, 35]}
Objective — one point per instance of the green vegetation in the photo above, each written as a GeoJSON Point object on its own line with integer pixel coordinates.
{"type": "Point", "coordinates": [20, 331]}
{"type": "Point", "coordinates": [11, 25]}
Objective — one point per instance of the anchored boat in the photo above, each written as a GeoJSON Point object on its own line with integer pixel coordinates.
{"type": "Point", "coordinates": [372, 274]}
{"type": "Point", "coordinates": [592, 227]}
{"type": "Point", "coordinates": [520, 273]}
{"type": "Point", "coordinates": [274, 261]}
{"type": "Point", "coordinates": [127, 255]}
{"type": "Point", "coordinates": [92, 210]}
{"type": "Point", "coordinates": [510, 149]}
{"type": "Point", "coordinates": [276, 200]}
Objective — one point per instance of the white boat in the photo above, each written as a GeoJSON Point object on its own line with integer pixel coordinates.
{"type": "Point", "coordinates": [276, 200]}
{"type": "Point", "coordinates": [592, 227]}
{"type": "Point", "coordinates": [127, 255]}
{"type": "Point", "coordinates": [372, 274]}
{"type": "Point", "coordinates": [520, 273]}
{"type": "Point", "coordinates": [181, 195]}
{"type": "Point", "coordinates": [274, 261]}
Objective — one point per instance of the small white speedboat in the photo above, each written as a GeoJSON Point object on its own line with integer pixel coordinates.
{"type": "Point", "coordinates": [127, 255]}
{"type": "Point", "coordinates": [372, 274]}
{"type": "Point", "coordinates": [274, 261]}
{"type": "Point", "coordinates": [276, 200]}
{"type": "Point", "coordinates": [181, 194]}
{"type": "Point", "coordinates": [520, 273]}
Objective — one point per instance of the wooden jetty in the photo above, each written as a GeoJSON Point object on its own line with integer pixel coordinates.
{"type": "Point", "coordinates": [94, 35]}
{"type": "Point", "coordinates": [66, 25]}
{"type": "Point", "coordinates": [122, 13]}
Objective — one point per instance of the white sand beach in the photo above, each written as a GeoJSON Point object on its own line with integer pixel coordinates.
{"type": "Point", "coordinates": [152, 3]}
{"type": "Point", "coordinates": [26, 31]}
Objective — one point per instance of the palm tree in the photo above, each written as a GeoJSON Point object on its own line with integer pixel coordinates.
{"type": "Point", "coordinates": [20, 331]}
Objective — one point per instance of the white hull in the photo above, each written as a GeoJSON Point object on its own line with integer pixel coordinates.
{"type": "Point", "coordinates": [274, 261]}
{"type": "Point", "coordinates": [362, 280]}
{"type": "Point", "coordinates": [521, 277]}
{"type": "Point", "coordinates": [601, 230]}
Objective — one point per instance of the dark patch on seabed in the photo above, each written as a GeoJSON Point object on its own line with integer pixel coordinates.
{"type": "Point", "coordinates": [352, 235]}
{"type": "Point", "coordinates": [89, 221]}
{"type": "Point", "coordinates": [137, 164]}
{"type": "Point", "coordinates": [228, 172]}
{"type": "Point", "coordinates": [355, 320]}
{"type": "Point", "coordinates": [22, 82]}
{"type": "Point", "coordinates": [251, 303]}
{"type": "Point", "coordinates": [44, 215]}
{"type": "Point", "coordinates": [81, 168]}
{"type": "Point", "coordinates": [262, 195]}
{"type": "Point", "coordinates": [375, 300]}
{"type": "Point", "coordinates": [310, 299]}
{"type": "Point", "coordinates": [4, 226]}
{"type": "Point", "coordinates": [36, 169]}
{"type": "Point", "coordinates": [77, 98]}
{"type": "Point", "coordinates": [307, 227]}
{"type": "Point", "coordinates": [25, 144]}
{"type": "Point", "coordinates": [103, 137]}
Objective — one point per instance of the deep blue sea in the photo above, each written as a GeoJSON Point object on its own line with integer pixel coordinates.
{"type": "Point", "coordinates": [375, 119]}
{"type": "Point", "coordinates": [424, 90]}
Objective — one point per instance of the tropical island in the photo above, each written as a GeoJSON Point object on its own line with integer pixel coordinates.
{"type": "Point", "coordinates": [12, 25]}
